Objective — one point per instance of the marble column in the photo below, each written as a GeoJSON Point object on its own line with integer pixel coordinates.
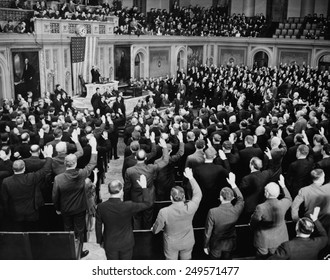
{"type": "Point", "coordinates": [307, 7]}
{"type": "Point", "coordinates": [249, 8]}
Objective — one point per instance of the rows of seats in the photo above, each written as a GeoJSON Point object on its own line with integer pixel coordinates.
{"type": "Point", "coordinates": [300, 28]}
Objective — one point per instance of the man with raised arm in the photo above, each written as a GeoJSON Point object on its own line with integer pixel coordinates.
{"type": "Point", "coordinates": [176, 221]}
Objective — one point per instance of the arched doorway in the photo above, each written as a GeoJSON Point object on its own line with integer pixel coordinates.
{"type": "Point", "coordinates": [139, 66]}
{"type": "Point", "coordinates": [260, 59]}
{"type": "Point", "coordinates": [180, 60]}
{"type": "Point", "coordinates": [324, 63]}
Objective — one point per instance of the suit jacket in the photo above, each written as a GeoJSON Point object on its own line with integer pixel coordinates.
{"type": "Point", "coordinates": [303, 248]}
{"type": "Point", "coordinates": [23, 149]}
{"type": "Point", "coordinates": [195, 159]}
{"type": "Point", "coordinates": [253, 187]}
{"type": "Point", "coordinates": [95, 76]}
{"type": "Point", "coordinates": [20, 195]}
{"type": "Point", "coordinates": [189, 149]}
{"type": "Point", "coordinates": [176, 221]}
{"type": "Point", "coordinates": [220, 232]}
{"type": "Point", "coordinates": [69, 146]}
{"type": "Point", "coordinates": [268, 222]}
{"type": "Point", "coordinates": [132, 190]}
{"type": "Point", "coordinates": [298, 175]}
{"type": "Point", "coordinates": [324, 164]}
{"type": "Point", "coordinates": [300, 125]}
{"type": "Point", "coordinates": [33, 164]}
{"type": "Point", "coordinates": [58, 166]}
{"type": "Point", "coordinates": [211, 179]}
{"type": "Point", "coordinates": [312, 196]}
{"type": "Point", "coordinates": [245, 157]}
{"type": "Point", "coordinates": [116, 216]}
{"type": "Point", "coordinates": [69, 189]}
{"type": "Point", "coordinates": [165, 179]}
{"type": "Point", "coordinates": [130, 160]}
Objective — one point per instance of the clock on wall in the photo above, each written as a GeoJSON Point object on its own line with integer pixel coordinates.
{"type": "Point", "coordinates": [81, 30]}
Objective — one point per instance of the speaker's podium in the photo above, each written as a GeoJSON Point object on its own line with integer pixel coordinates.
{"type": "Point", "coordinates": [39, 246]}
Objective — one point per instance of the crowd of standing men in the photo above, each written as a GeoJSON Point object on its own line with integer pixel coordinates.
{"type": "Point", "coordinates": [257, 139]}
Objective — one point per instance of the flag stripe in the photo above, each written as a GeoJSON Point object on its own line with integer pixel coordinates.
{"type": "Point", "coordinates": [83, 66]}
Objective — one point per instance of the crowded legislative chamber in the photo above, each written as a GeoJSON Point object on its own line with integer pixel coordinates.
{"type": "Point", "coordinates": [164, 129]}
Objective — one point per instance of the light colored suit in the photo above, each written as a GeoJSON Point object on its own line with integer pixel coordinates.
{"type": "Point", "coordinates": [176, 221]}
{"type": "Point", "coordinates": [268, 222]}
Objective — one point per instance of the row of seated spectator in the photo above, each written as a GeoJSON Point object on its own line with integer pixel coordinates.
{"type": "Point", "coordinates": [21, 27]}
{"type": "Point", "coordinates": [284, 109]}
{"type": "Point", "coordinates": [189, 21]}
{"type": "Point", "coordinates": [186, 21]}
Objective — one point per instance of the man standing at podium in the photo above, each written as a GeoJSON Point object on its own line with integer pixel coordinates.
{"type": "Point", "coordinates": [95, 75]}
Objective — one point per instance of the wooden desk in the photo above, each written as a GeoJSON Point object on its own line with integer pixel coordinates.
{"type": "Point", "coordinates": [91, 88]}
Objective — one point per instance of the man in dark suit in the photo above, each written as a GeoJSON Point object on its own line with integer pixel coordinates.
{"type": "Point", "coordinates": [268, 220]}
{"type": "Point", "coordinates": [95, 75]}
{"type": "Point", "coordinates": [298, 175]}
{"type": "Point", "coordinates": [96, 100]}
{"type": "Point", "coordinates": [252, 186]}
{"type": "Point", "coordinates": [220, 232]}
{"type": "Point", "coordinates": [324, 163]}
{"type": "Point", "coordinates": [211, 179]}
{"type": "Point", "coordinates": [246, 155]}
{"type": "Point", "coordinates": [134, 146]}
{"type": "Point", "coordinates": [69, 195]}
{"type": "Point", "coordinates": [24, 148]}
{"type": "Point", "coordinates": [28, 74]}
{"type": "Point", "coordinates": [291, 154]}
{"type": "Point", "coordinates": [189, 149]}
{"type": "Point", "coordinates": [165, 179]}
{"type": "Point", "coordinates": [116, 215]}
{"type": "Point", "coordinates": [58, 138]}
{"type": "Point", "coordinates": [197, 157]}
{"type": "Point", "coordinates": [34, 162]}
{"type": "Point", "coordinates": [132, 190]}
{"type": "Point", "coordinates": [20, 196]}
{"type": "Point", "coordinates": [304, 246]}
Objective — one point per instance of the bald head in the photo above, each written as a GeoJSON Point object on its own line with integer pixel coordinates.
{"type": "Point", "coordinates": [35, 149]}
{"type": "Point", "coordinates": [260, 130]}
{"type": "Point", "coordinates": [141, 155]}
{"type": "Point", "coordinates": [115, 187]}
{"type": "Point", "coordinates": [190, 136]}
{"type": "Point", "coordinates": [275, 142]}
{"type": "Point", "coordinates": [18, 166]}
{"type": "Point", "coordinates": [25, 137]}
{"type": "Point", "coordinates": [272, 190]}
{"type": "Point", "coordinates": [70, 161]}
{"type": "Point", "coordinates": [61, 148]}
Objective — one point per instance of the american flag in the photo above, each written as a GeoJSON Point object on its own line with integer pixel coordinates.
{"type": "Point", "coordinates": [83, 56]}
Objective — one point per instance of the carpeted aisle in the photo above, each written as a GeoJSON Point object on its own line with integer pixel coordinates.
{"type": "Point", "coordinates": [114, 172]}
